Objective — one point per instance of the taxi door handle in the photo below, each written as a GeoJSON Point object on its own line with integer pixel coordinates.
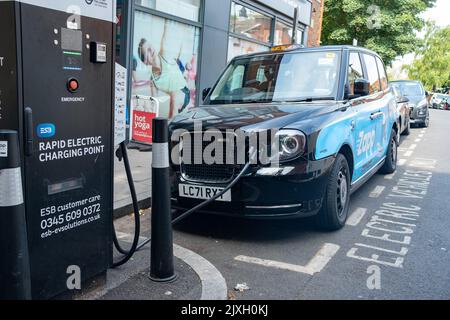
{"type": "Point", "coordinates": [376, 115]}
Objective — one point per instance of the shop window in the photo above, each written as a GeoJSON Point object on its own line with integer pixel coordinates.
{"type": "Point", "coordinates": [283, 33]}
{"type": "Point", "coordinates": [237, 47]}
{"type": "Point", "coordinates": [165, 54]}
{"type": "Point", "coordinates": [186, 9]}
{"type": "Point", "coordinates": [250, 23]}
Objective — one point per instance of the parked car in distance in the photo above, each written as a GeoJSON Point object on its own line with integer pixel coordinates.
{"type": "Point", "coordinates": [335, 119]}
{"type": "Point", "coordinates": [415, 92]}
{"type": "Point", "coordinates": [446, 103]}
{"type": "Point", "coordinates": [437, 100]}
{"type": "Point", "coordinates": [403, 110]}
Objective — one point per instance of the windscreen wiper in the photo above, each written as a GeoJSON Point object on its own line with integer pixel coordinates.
{"type": "Point", "coordinates": [311, 99]}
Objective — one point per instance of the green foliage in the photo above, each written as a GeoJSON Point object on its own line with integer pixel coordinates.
{"type": "Point", "coordinates": [385, 26]}
{"type": "Point", "coordinates": [432, 63]}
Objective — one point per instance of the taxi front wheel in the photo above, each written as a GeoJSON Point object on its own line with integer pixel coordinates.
{"type": "Point", "coordinates": [335, 205]}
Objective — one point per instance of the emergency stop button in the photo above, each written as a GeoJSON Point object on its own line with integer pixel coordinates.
{"type": "Point", "coordinates": [72, 85]}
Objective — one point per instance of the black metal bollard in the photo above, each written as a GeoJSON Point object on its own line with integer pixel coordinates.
{"type": "Point", "coordinates": [15, 283]}
{"type": "Point", "coordinates": [161, 261]}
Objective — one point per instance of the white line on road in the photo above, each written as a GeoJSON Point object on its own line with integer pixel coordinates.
{"type": "Point", "coordinates": [417, 140]}
{"type": "Point", "coordinates": [408, 153]}
{"type": "Point", "coordinates": [401, 162]}
{"type": "Point", "coordinates": [315, 265]}
{"type": "Point", "coordinates": [413, 146]}
{"type": "Point", "coordinates": [421, 135]}
{"type": "Point", "coordinates": [389, 176]}
{"type": "Point", "coordinates": [214, 286]}
{"type": "Point", "coordinates": [377, 191]}
{"type": "Point", "coordinates": [356, 217]}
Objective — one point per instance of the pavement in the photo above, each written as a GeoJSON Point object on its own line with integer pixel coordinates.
{"type": "Point", "coordinates": [396, 244]}
{"type": "Point", "coordinates": [140, 163]}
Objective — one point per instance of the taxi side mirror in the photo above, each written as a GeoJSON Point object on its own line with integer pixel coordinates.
{"type": "Point", "coordinates": [205, 93]}
{"type": "Point", "coordinates": [362, 88]}
{"type": "Point", "coordinates": [402, 99]}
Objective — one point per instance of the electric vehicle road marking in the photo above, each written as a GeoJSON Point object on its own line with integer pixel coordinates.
{"type": "Point", "coordinates": [356, 217]}
{"type": "Point", "coordinates": [377, 192]}
{"type": "Point", "coordinates": [315, 265]}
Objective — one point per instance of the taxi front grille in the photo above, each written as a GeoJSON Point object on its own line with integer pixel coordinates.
{"type": "Point", "coordinates": [194, 167]}
{"type": "Point", "coordinates": [214, 173]}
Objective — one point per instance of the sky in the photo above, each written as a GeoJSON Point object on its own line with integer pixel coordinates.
{"type": "Point", "coordinates": [440, 14]}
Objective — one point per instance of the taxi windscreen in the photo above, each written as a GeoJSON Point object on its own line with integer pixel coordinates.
{"type": "Point", "coordinates": [283, 77]}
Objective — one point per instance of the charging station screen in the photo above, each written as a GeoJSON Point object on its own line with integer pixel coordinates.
{"type": "Point", "coordinates": [71, 39]}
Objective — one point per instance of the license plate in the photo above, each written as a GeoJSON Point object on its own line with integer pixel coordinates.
{"type": "Point", "coordinates": [203, 192]}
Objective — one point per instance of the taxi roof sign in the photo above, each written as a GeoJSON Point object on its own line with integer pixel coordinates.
{"type": "Point", "coordinates": [285, 47]}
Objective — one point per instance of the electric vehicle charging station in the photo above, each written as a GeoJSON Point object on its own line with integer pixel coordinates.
{"type": "Point", "coordinates": [56, 91]}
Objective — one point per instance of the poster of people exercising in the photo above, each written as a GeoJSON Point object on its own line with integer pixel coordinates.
{"type": "Point", "coordinates": [164, 65]}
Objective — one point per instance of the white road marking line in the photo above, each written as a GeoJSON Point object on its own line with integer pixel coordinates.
{"type": "Point", "coordinates": [214, 286]}
{"type": "Point", "coordinates": [417, 140]}
{"type": "Point", "coordinates": [389, 176]}
{"type": "Point", "coordinates": [413, 146]}
{"type": "Point", "coordinates": [377, 191]}
{"type": "Point", "coordinates": [408, 153]}
{"type": "Point", "coordinates": [315, 265]}
{"type": "Point", "coordinates": [401, 162]}
{"type": "Point", "coordinates": [421, 135]}
{"type": "Point", "coordinates": [356, 217]}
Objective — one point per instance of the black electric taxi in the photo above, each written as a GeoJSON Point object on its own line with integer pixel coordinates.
{"type": "Point", "coordinates": [335, 121]}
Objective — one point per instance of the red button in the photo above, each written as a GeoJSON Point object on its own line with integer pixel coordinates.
{"type": "Point", "coordinates": [73, 85]}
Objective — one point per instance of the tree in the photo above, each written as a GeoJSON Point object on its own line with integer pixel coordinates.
{"type": "Point", "coordinates": [432, 61]}
{"type": "Point", "coordinates": [385, 26]}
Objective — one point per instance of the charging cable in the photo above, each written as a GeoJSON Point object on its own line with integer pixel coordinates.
{"type": "Point", "coordinates": [135, 245]}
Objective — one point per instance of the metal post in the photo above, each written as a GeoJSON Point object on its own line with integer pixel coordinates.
{"type": "Point", "coordinates": [15, 283]}
{"type": "Point", "coordinates": [161, 261]}
{"type": "Point", "coordinates": [295, 26]}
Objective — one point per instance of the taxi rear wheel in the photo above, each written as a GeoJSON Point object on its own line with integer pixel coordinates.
{"type": "Point", "coordinates": [334, 212]}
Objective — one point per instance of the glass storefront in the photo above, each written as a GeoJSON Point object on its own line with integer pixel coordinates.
{"type": "Point", "coordinates": [186, 9]}
{"type": "Point", "coordinates": [253, 31]}
{"type": "Point", "coordinates": [237, 47]}
{"type": "Point", "coordinates": [250, 23]}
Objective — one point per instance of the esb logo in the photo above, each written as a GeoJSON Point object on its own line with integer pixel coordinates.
{"type": "Point", "coordinates": [46, 130]}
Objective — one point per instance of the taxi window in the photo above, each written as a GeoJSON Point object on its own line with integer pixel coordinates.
{"type": "Point", "coordinates": [355, 71]}
{"type": "Point", "coordinates": [383, 76]}
{"type": "Point", "coordinates": [372, 73]}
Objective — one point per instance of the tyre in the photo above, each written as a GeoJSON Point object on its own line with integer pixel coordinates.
{"type": "Point", "coordinates": [390, 164]}
{"type": "Point", "coordinates": [334, 211]}
{"type": "Point", "coordinates": [407, 130]}
{"type": "Point", "coordinates": [426, 123]}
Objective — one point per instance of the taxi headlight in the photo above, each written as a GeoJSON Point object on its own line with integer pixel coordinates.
{"type": "Point", "coordinates": [291, 144]}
